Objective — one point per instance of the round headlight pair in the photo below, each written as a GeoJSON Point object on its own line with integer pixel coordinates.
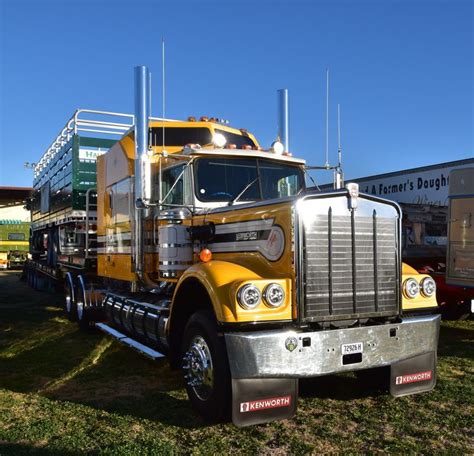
{"type": "Point", "coordinates": [428, 287]}
{"type": "Point", "coordinates": [412, 288]}
{"type": "Point", "coordinates": [249, 296]}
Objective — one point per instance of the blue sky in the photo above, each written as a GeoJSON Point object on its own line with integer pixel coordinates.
{"type": "Point", "coordinates": [401, 70]}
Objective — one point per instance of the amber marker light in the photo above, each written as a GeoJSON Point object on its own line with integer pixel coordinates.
{"type": "Point", "coordinates": [205, 255]}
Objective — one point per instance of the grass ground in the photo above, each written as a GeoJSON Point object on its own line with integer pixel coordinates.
{"type": "Point", "coordinates": [63, 392]}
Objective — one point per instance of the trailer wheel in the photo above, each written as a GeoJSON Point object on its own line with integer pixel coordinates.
{"type": "Point", "coordinates": [82, 309]}
{"type": "Point", "coordinates": [206, 368]}
{"type": "Point", "coordinates": [70, 298]}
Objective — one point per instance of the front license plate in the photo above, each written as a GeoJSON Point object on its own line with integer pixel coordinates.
{"type": "Point", "coordinates": [356, 347]}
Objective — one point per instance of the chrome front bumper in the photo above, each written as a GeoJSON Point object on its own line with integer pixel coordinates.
{"type": "Point", "coordinates": [263, 354]}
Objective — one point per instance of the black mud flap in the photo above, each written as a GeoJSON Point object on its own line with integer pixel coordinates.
{"type": "Point", "coordinates": [413, 375]}
{"type": "Point", "coordinates": [256, 401]}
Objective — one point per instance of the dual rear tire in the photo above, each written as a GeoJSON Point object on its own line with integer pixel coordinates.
{"type": "Point", "coordinates": [75, 301]}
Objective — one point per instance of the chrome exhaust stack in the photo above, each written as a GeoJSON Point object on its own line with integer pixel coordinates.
{"type": "Point", "coordinates": [283, 119]}
{"type": "Point", "coordinates": [143, 184]}
{"type": "Point", "coordinates": [143, 187]}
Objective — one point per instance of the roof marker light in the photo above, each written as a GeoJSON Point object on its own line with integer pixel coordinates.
{"type": "Point", "coordinates": [278, 147]}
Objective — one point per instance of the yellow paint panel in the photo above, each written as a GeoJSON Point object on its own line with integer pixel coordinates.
{"type": "Point", "coordinates": [23, 243]}
{"type": "Point", "coordinates": [222, 281]}
{"type": "Point", "coordinates": [115, 266]}
{"type": "Point", "coordinates": [420, 302]}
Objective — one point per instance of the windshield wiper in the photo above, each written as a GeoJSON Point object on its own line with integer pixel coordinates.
{"type": "Point", "coordinates": [232, 201]}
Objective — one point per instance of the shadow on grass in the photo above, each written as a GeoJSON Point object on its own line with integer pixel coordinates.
{"type": "Point", "coordinates": [345, 387]}
{"type": "Point", "coordinates": [61, 363]}
{"type": "Point", "coordinates": [19, 449]}
{"type": "Point", "coordinates": [457, 342]}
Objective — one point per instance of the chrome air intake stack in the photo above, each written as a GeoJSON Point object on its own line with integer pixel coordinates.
{"type": "Point", "coordinates": [283, 119]}
{"type": "Point", "coordinates": [143, 185]}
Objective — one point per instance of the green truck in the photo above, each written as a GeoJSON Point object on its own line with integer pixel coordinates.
{"type": "Point", "coordinates": [14, 236]}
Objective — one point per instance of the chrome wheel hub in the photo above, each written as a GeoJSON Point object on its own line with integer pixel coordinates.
{"type": "Point", "coordinates": [68, 303]}
{"type": "Point", "coordinates": [80, 310]}
{"type": "Point", "coordinates": [198, 368]}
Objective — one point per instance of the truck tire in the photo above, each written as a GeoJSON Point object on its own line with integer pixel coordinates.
{"type": "Point", "coordinates": [82, 310]}
{"type": "Point", "coordinates": [206, 368]}
{"type": "Point", "coordinates": [70, 298]}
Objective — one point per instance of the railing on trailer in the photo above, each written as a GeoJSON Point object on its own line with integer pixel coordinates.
{"type": "Point", "coordinates": [77, 123]}
{"type": "Point", "coordinates": [89, 206]}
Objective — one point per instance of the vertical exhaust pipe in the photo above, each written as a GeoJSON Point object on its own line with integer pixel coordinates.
{"type": "Point", "coordinates": [142, 187]}
{"type": "Point", "coordinates": [142, 160]}
{"type": "Point", "coordinates": [283, 119]}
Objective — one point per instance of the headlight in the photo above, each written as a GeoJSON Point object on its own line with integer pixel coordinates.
{"type": "Point", "coordinates": [411, 288]}
{"type": "Point", "coordinates": [219, 140]}
{"type": "Point", "coordinates": [428, 287]}
{"type": "Point", "coordinates": [274, 295]}
{"type": "Point", "coordinates": [248, 296]}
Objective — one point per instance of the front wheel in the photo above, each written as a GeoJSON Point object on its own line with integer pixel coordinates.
{"type": "Point", "coordinates": [206, 368]}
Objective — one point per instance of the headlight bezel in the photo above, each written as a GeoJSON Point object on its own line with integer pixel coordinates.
{"type": "Point", "coordinates": [406, 283]}
{"type": "Point", "coordinates": [423, 287]}
{"type": "Point", "coordinates": [268, 289]}
{"type": "Point", "coordinates": [241, 296]}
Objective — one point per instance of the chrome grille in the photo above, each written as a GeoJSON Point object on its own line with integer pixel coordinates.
{"type": "Point", "coordinates": [349, 260]}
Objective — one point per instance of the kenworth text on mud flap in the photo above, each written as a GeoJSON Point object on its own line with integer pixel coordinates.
{"type": "Point", "coordinates": [189, 240]}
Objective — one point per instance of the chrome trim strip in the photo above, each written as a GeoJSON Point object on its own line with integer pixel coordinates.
{"type": "Point", "coordinates": [153, 354]}
{"type": "Point", "coordinates": [237, 207]}
{"type": "Point", "coordinates": [264, 355]}
{"type": "Point", "coordinates": [166, 246]}
{"type": "Point", "coordinates": [173, 263]}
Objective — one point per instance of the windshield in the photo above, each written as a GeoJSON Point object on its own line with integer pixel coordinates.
{"type": "Point", "coordinates": [223, 179]}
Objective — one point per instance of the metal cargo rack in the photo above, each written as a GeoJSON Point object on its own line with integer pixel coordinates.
{"type": "Point", "coordinates": [68, 167]}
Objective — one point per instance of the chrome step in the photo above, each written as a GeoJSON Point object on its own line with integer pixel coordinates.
{"type": "Point", "coordinates": [124, 339]}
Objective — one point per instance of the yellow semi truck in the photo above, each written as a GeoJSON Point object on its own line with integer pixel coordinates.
{"type": "Point", "coordinates": [211, 252]}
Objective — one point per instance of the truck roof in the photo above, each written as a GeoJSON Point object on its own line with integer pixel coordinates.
{"type": "Point", "coordinates": [242, 153]}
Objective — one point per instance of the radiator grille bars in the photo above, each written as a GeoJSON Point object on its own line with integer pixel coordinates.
{"type": "Point", "coordinates": [350, 266]}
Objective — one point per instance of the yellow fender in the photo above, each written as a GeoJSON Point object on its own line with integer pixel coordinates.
{"type": "Point", "coordinates": [222, 279]}
{"type": "Point", "coordinates": [420, 302]}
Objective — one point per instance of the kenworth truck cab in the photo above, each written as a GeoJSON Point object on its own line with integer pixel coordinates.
{"type": "Point", "coordinates": [211, 252]}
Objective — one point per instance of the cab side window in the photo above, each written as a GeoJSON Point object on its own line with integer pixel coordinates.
{"type": "Point", "coordinates": [173, 185]}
